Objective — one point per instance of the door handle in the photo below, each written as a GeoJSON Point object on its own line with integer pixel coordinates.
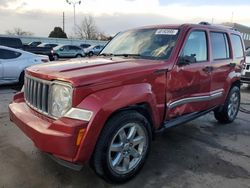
{"type": "Point", "coordinates": [208, 69]}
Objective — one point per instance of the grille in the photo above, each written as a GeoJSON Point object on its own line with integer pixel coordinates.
{"type": "Point", "coordinates": [36, 93]}
{"type": "Point", "coordinates": [247, 74]}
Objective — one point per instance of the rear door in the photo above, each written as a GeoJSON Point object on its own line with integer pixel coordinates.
{"type": "Point", "coordinates": [75, 51]}
{"type": "Point", "coordinates": [188, 85]}
{"type": "Point", "coordinates": [222, 65]}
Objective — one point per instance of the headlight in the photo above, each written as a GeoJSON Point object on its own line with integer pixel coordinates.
{"type": "Point", "coordinates": [61, 99]}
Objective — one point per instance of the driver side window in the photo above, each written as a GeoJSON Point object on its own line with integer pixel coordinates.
{"type": "Point", "coordinates": [196, 46]}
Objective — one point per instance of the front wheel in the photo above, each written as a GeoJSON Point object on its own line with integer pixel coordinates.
{"type": "Point", "coordinates": [56, 57]}
{"type": "Point", "coordinates": [78, 56]}
{"type": "Point", "coordinates": [91, 54]}
{"type": "Point", "coordinates": [230, 109]}
{"type": "Point", "coordinates": [122, 147]}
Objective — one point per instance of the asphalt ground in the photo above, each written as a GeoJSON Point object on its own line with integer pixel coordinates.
{"type": "Point", "coordinates": [201, 153]}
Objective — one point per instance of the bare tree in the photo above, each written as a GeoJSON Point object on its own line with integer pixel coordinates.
{"type": "Point", "coordinates": [87, 29]}
{"type": "Point", "coordinates": [19, 32]}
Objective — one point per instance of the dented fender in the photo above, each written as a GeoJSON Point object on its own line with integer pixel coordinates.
{"type": "Point", "coordinates": [104, 103]}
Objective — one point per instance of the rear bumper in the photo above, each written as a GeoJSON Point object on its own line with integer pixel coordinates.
{"type": "Point", "coordinates": [56, 137]}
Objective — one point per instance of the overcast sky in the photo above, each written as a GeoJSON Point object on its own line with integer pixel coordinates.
{"type": "Point", "coordinates": [112, 16]}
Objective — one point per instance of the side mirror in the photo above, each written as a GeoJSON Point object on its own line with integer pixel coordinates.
{"type": "Point", "coordinates": [186, 60]}
{"type": "Point", "coordinates": [61, 49]}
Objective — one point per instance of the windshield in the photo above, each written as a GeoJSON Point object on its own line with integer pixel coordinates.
{"type": "Point", "coordinates": [144, 43]}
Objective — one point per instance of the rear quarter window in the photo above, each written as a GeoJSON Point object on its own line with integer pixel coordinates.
{"type": "Point", "coordinates": [8, 54]}
{"type": "Point", "coordinates": [237, 46]}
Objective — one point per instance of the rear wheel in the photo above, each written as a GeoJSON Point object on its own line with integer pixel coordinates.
{"type": "Point", "coordinates": [122, 147]}
{"type": "Point", "coordinates": [229, 111]}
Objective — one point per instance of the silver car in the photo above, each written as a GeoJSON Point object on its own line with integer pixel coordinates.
{"type": "Point", "coordinates": [13, 63]}
{"type": "Point", "coordinates": [93, 50]}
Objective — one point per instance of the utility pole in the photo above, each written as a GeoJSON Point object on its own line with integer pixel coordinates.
{"type": "Point", "coordinates": [232, 18]}
{"type": "Point", "coordinates": [63, 22]}
{"type": "Point", "coordinates": [74, 3]}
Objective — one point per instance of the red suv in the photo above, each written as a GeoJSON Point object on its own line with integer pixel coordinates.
{"type": "Point", "coordinates": [106, 109]}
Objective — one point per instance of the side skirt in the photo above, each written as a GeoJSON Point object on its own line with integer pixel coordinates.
{"type": "Point", "coordinates": [183, 119]}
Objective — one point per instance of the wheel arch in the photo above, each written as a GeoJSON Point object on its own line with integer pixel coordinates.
{"type": "Point", "coordinates": [108, 103]}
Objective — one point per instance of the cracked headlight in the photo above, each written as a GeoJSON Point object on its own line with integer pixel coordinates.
{"type": "Point", "coordinates": [61, 99]}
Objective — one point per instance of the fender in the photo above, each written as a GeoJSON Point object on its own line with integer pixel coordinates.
{"type": "Point", "coordinates": [104, 103]}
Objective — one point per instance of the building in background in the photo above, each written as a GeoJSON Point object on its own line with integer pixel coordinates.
{"type": "Point", "coordinates": [245, 30]}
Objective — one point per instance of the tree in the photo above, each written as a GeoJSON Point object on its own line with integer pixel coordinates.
{"type": "Point", "coordinates": [87, 29]}
{"type": "Point", "coordinates": [18, 32]}
{"type": "Point", "coordinates": [58, 33]}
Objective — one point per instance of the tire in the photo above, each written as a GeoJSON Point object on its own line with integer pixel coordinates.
{"type": "Point", "coordinates": [78, 56]}
{"type": "Point", "coordinates": [56, 57]}
{"type": "Point", "coordinates": [228, 112]}
{"type": "Point", "coordinates": [21, 79]}
{"type": "Point", "coordinates": [130, 152]}
{"type": "Point", "coordinates": [91, 53]}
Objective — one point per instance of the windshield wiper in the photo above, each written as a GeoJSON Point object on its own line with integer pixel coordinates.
{"type": "Point", "coordinates": [128, 55]}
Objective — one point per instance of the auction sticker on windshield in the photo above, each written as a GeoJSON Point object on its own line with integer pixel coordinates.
{"type": "Point", "coordinates": [166, 32]}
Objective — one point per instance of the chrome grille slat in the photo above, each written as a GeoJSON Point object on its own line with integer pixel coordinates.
{"type": "Point", "coordinates": [36, 93]}
{"type": "Point", "coordinates": [27, 95]}
{"type": "Point", "coordinates": [34, 101]}
{"type": "Point", "coordinates": [39, 94]}
{"type": "Point", "coordinates": [31, 91]}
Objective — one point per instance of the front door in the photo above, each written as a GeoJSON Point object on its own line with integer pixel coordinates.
{"type": "Point", "coordinates": [188, 84]}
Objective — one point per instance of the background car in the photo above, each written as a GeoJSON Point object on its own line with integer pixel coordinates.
{"type": "Point", "coordinates": [34, 44]}
{"type": "Point", "coordinates": [50, 45]}
{"type": "Point", "coordinates": [67, 51]}
{"type": "Point", "coordinates": [93, 50]}
{"type": "Point", "coordinates": [12, 42]}
{"type": "Point", "coordinates": [85, 46]}
{"type": "Point", "coordinates": [245, 75]}
{"type": "Point", "coordinates": [14, 61]}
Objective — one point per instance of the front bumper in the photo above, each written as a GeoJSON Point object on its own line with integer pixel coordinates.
{"type": "Point", "coordinates": [56, 137]}
{"type": "Point", "coordinates": [245, 79]}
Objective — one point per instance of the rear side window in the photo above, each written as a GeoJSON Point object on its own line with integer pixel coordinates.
{"type": "Point", "coordinates": [8, 54]}
{"type": "Point", "coordinates": [220, 47]}
{"type": "Point", "coordinates": [196, 46]}
{"type": "Point", "coordinates": [237, 46]}
{"type": "Point", "coordinates": [74, 48]}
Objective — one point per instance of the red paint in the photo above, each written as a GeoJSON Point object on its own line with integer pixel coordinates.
{"type": "Point", "coordinates": [105, 85]}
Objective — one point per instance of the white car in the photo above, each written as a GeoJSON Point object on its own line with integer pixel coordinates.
{"type": "Point", "coordinates": [13, 63]}
{"type": "Point", "coordinates": [245, 75]}
{"type": "Point", "coordinates": [93, 50]}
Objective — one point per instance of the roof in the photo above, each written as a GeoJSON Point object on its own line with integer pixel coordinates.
{"type": "Point", "coordinates": [204, 25]}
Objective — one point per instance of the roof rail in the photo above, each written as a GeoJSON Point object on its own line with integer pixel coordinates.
{"type": "Point", "coordinates": [204, 23]}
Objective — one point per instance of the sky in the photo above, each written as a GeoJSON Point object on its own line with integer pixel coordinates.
{"type": "Point", "coordinates": [112, 16]}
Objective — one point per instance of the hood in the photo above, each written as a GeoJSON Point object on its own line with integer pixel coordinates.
{"type": "Point", "coordinates": [86, 71]}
